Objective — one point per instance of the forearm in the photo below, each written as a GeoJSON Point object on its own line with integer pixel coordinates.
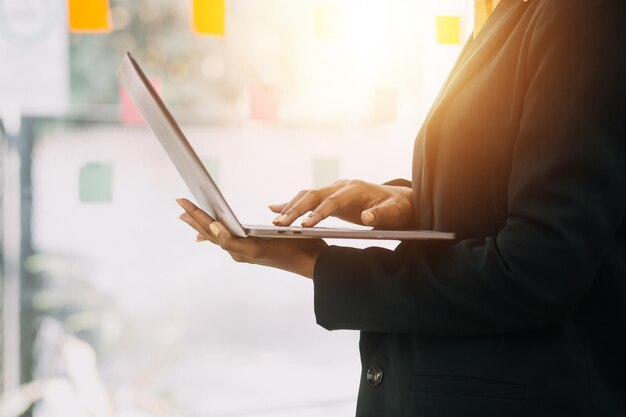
{"type": "Point", "coordinates": [473, 287]}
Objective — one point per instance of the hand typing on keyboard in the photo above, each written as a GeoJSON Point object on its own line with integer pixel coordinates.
{"type": "Point", "coordinates": [356, 201]}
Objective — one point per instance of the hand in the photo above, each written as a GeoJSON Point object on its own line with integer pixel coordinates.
{"type": "Point", "coordinates": [293, 255]}
{"type": "Point", "coordinates": [359, 202]}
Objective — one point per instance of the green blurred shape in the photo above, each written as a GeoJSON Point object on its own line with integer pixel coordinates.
{"type": "Point", "coordinates": [325, 171]}
{"type": "Point", "coordinates": [213, 166]}
{"type": "Point", "coordinates": [96, 183]}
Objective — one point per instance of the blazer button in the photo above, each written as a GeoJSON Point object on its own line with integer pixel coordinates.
{"type": "Point", "coordinates": [374, 376]}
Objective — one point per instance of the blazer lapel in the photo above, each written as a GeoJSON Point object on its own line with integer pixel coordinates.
{"type": "Point", "coordinates": [474, 55]}
{"type": "Point", "coordinates": [482, 48]}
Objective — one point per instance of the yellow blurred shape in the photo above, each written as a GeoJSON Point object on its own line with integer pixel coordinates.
{"type": "Point", "coordinates": [449, 30]}
{"type": "Point", "coordinates": [327, 21]}
{"type": "Point", "coordinates": [209, 16]}
{"type": "Point", "coordinates": [89, 16]}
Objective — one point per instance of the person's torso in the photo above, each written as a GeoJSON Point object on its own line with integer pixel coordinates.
{"type": "Point", "coordinates": [462, 167]}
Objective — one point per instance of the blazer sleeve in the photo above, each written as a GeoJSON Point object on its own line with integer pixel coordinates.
{"type": "Point", "coordinates": [566, 202]}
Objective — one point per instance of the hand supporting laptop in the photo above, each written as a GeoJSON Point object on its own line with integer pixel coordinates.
{"type": "Point", "coordinates": [355, 201]}
{"type": "Point", "coordinates": [293, 255]}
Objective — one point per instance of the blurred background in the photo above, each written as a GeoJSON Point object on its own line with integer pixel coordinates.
{"type": "Point", "coordinates": [109, 307]}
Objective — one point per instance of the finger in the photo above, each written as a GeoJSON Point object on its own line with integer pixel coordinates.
{"type": "Point", "coordinates": [306, 203]}
{"type": "Point", "coordinates": [186, 205]}
{"type": "Point", "coordinates": [190, 207]}
{"type": "Point", "coordinates": [186, 217]}
{"type": "Point", "coordinates": [277, 208]}
{"type": "Point", "coordinates": [203, 238]}
{"type": "Point", "coordinates": [201, 218]}
{"type": "Point", "coordinates": [385, 214]}
{"type": "Point", "coordinates": [331, 205]}
{"type": "Point", "coordinates": [289, 205]}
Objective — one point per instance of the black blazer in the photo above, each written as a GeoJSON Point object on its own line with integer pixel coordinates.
{"type": "Point", "coordinates": [523, 156]}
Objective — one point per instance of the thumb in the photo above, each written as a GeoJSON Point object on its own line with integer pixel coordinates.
{"type": "Point", "coordinates": [368, 217]}
{"type": "Point", "coordinates": [381, 215]}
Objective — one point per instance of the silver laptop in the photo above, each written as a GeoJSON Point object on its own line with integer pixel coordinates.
{"type": "Point", "coordinates": [202, 186]}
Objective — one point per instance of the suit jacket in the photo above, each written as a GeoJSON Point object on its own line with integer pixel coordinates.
{"type": "Point", "coordinates": [523, 156]}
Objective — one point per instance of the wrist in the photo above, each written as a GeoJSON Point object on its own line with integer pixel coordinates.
{"type": "Point", "coordinates": [306, 265]}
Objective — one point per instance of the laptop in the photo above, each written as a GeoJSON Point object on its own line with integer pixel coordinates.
{"type": "Point", "coordinates": [203, 188]}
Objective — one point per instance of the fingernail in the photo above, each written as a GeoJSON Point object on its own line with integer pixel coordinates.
{"type": "Point", "coordinates": [368, 217]}
{"type": "Point", "coordinates": [185, 204]}
{"type": "Point", "coordinates": [307, 220]}
{"type": "Point", "coordinates": [280, 219]}
{"type": "Point", "coordinates": [214, 229]}
{"type": "Point", "coordinates": [181, 218]}
{"type": "Point", "coordinates": [200, 239]}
